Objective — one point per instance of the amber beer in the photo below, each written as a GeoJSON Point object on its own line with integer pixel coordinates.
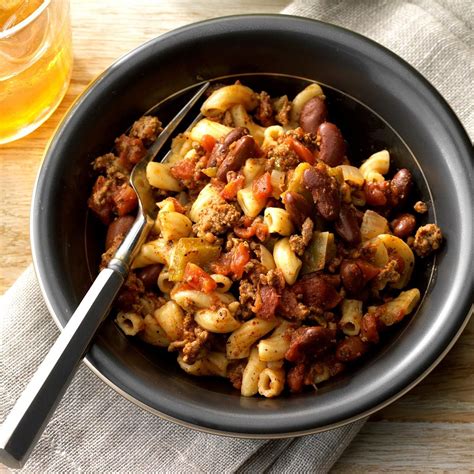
{"type": "Point", "coordinates": [35, 63]}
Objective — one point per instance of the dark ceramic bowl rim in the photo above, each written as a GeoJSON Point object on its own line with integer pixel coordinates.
{"type": "Point", "coordinates": [49, 282]}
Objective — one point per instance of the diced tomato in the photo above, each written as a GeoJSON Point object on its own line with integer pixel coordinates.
{"type": "Point", "coordinates": [245, 232]}
{"type": "Point", "coordinates": [233, 262]}
{"type": "Point", "coordinates": [184, 169]}
{"type": "Point", "coordinates": [233, 187]}
{"type": "Point", "coordinates": [125, 200]}
{"type": "Point", "coordinates": [177, 205]}
{"type": "Point", "coordinates": [246, 221]}
{"type": "Point", "coordinates": [222, 264]}
{"type": "Point", "coordinates": [302, 152]}
{"type": "Point", "coordinates": [198, 279]}
{"type": "Point", "coordinates": [240, 258]}
{"type": "Point", "coordinates": [100, 201]}
{"type": "Point", "coordinates": [261, 231]}
{"type": "Point", "coordinates": [262, 187]}
{"type": "Point", "coordinates": [208, 142]}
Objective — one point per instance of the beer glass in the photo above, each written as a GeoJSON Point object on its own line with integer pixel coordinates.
{"type": "Point", "coordinates": [35, 63]}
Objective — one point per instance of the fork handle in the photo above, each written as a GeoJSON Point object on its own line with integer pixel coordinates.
{"type": "Point", "coordinates": [30, 414]}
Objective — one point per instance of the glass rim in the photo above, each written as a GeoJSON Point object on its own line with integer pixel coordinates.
{"type": "Point", "coordinates": [24, 23]}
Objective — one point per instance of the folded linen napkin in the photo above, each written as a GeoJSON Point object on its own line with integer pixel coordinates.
{"type": "Point", "coordinates": [96, 430]}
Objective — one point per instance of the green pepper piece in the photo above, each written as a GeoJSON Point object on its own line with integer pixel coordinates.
{"type": "Point", "coordinates": [191, 250]}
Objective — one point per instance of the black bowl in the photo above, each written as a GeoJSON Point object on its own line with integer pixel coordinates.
{"type": "Point", "coordinates": [377, 99]}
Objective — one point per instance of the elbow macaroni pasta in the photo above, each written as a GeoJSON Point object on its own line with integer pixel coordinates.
{"type": "Point", "coordinates": [273, 348]}
{"type": "Point", "coordinates": [219, 321]}
{"type": "Point", "coordinates": [286, 260]}
{"type": "Point", "coordinates": [351, 317]}
{"type": "Point", "coordinates": [226, 97]}
{"type": "Point", "coordinates": [278, 221]}
{"type": "Point", "coordinates": [241, 340]}
{"type": "Point", "coordinates": [251, 374]}
{"type": "Point", "coordinates": [271, 382]}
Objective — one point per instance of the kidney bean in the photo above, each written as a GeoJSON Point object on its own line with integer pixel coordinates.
{"type": "Point", "coordinates": [297, 206]}
{"type": "Point", "coordinates": [270, 299]}
{"type": "Point", "coordinates": [400, 186]}
{"type": "Point", "coordinates": [221, 148]}
{"type": "Point", "coordinates": [332, 148]}
{"type": "Point", "coordinates": [149, 275]}
{"type": "Point", "coordinates": [333, 280]}
{"type": "Point", "coordinates": [404, 225]}
{"type": "Point", "coordinates": [351, 348]}
{"type": "Point", "coordinates": [290, 307]}
{"type": "Point", "coordinates": [324, 190]}
{"type": "Point", "coordinates": [347, 225]}
{"type": "Point", "coordinates": [313, 114]}
{"type": "Point", "coordinates": [369, 330]}
{"type": "Point", "coordinates": [119, 226]}
{"type": "Point", "coordinates": [317, 290]}
{"type": "Point", "coordinates": [309, 341]}
{"type": "Point", "coordinates": [376, 193]}
{"type": "Point", "coordinates": [234, 135]}
{"type": "Point", "coordinates": [368, 270]}
{"type": "Point", "coordinates": [295, 378]}
{"type": "Point", "coordinates": [352, 277]}
{"type": "Point", "coordinates": [242, 149]}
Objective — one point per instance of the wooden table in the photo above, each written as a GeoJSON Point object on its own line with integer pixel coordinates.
{"type": "Point", "coordinates": [429, 429]}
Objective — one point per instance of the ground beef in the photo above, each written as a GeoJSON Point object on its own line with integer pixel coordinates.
{"type": "Point", "coordinates": [428, 238]}
{"type": "Point", "coordinates": [129, 150]}
{"type": "Point", "coordinates": [290, 307]}
{"type": "Point", "coordinates": [264, 112]}
{"type": "Point", "coordinates": [217, 218]}
{"type": "Point", "coordinates": [420, 207]}
{"type": "Point", "coordinates": [273, 278]}
{"type": "Point", "coordinates": [110, 252]}
{"type": "Point", "coordinates": [232, 241]}
{"type": "Point", "coordinates": [235, 372]}
{"type": "Point", "coordinates": [109, 165]}
{"type": "Point", "coordinates": [148, 303]}
{"type": "Point", "coordinates": [254, 270]}
{"type": "Point", "coordinates": [130, 293]}
{"type": "Point", "coordinates": [147, 129]}
{"type": "Point", "coordinates": [388, 274]}
{"type": "Point", "coordinates": [282, 107]}
{"type": "Point", "coordinates": [101, 199]}
{"type": "Point", "coordinates": [247, 296]}
{"type": "Point", "coordinates": [307, 139]}
{"type": "Point", "coordinates": [282, 158]}
{"type": "Point", "coordinates": [192, 342]}
{"type": "Point", "coordinates": [298, 243]}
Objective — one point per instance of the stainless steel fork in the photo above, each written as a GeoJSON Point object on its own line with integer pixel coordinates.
{"type": "Point", "coordinates": [29, 416]}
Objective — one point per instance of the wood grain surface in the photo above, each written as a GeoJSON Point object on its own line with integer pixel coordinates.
{"type": "Point", "coordinates": [431, 429]}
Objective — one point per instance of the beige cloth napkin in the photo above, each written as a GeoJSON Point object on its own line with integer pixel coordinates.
{"type": "Point", "coordinates": [96, 430]}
